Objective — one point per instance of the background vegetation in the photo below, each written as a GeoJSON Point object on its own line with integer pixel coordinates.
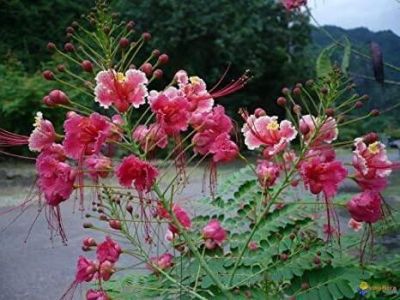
{"type": "Point", "coordinates": [202, 37]}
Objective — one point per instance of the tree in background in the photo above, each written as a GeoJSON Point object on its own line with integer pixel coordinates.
{"type": "Point", "coordinates": [207, 36]}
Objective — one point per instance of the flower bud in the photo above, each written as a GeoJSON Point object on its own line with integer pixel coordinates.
{"type": "Point", "coordinates": [130, 25]}
{"type": "Point", "coordinates": [87, 66]}
{"type": "Point", "coordinates": [129, 208]}
{"type": "Point", "coordinates": [281, 101]}
{"type": "Point", "coordinates": [163, 59]}
{"type": "Point", "coordinates": [89, 242]}
{"type": "Point", "coordinates": [124, 42]}
{"type": "Point", "coordinates": [309, 83]}
{"type": "Point", "coordinates": [103, 218]}
{"type": "Point", "coordinates": [75, 24]}
{"type": "Point", "coordinates": [297, 109]}
{"type": "Point", "coordinates": [147, 68]}
{"type": "Point", "coordinates": [115, 224]}
{"type": "Point", "coordinates": [69, 47]}
{"type": "Point", "coordinates": [324, 90]}
{"type": "Point", "coordinates": [47, 101]}
{"type": "Point", "coordinates": [297, 91]}
{"type": "Point", "coordinates": [358, 104]}
{"type": "Point", "coordinates": [285, 91]}
{"type": "Point", "coordinates": [370, 138]}
{"type": "Point", "coordinates": [51, 46]}
{"type": "Point", "coordinates": [253, 246]}
{"type": "Point", "coordinates": [48, 75]}
{"type": "Point", "coordinates": [299, 85]}
{"type": "Point", "coordinates": [146, 36]}
{"type": "Point", "coordinates": [330, 112]}
{"type": "Point", "coordinates": [107, 30]}
{"type": "Point", "coordinates": [158, 73]}
{"type": "Point", "coordinates": [259, 112]}
{"type": "Point", "coordinates": [87, 225]}
{"type": "Point", "coordinates": [375, 112]}
{"type": "Point", "coordinates": [61, 68]}
{"type": "Point", "coordinates": [70, 29]}
{"type": "Point", "coordinates": [58, 97]}
{"type": "Point", "coordinates": [156, 53]}
{"type": "Point", "coordinates": [365, 98]}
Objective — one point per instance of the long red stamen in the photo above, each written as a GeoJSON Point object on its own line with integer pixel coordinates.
{"type": "Point", "coordinates": [233, 87]}
{"type": "Point", "coordinates": [9, 139]}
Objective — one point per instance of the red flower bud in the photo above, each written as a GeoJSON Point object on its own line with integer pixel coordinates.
{"type": "Point", "coordinates": [146, 36]}
{"type": "Point", "coordinates": [281, 101]}
{"type": "Point", "coordinates": [317, 260]}
{"type": "Point", "coordinates": [69, 47]}
{"type": "Point", "coordinates": [324, 90]}
{"type": "Point", "coordinates": [370, 138]}
{"type": "Point", "coordinates": [283, 256]}
{"type": "Point", "coordinates": [124, 42]}
{"type": "Point", "coordinates": [48, 75]}
{"type": "Point", "coordinates": [115, 224]}
{"type": "Point", "coordinates": [129, 208]}
{"type": "Point", "coordinates": [156, 53]}
{"type": "Point", "coordinates": [163, 59]}
{"type": "Point", "coordinates": [259, 112]}
{"type": "Point", "coordinates": [130, 25]}
{"type": "Point", "coordinates": [297, 91]}
{"type": "Point", "coordinates": [89, 242]}
{"type": "Point", "coordinates": [330, 112]}
{"type": "Point", "coordinates": [61, 68]}
{"type": "Point", "coordinates": [147, 68]}
{"type": "Point", "coordinates": [47, 101]}
{"type": "Point", "coordinates": [58, 97]}
{"type": "Point", "coordinates": [158, 73]}
{"type": "Point", "coordinates": [375, 112]}
{"type": "Point", "coordinates": [365, 98]}
{"type": "Point", "coordinates": [358, 104]}
{"type": "Point", "coordinates": [305, 286]}
{"type": "Point", "coordinates": [87, 66]}
{"type": "Point", "coordinates": [51, 46]}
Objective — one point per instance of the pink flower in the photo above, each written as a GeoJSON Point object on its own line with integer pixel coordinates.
{"type": "Point", "coordinates": [266, 131]}
{"type": "Point", "coordinates": [172, 110]}
{"type": "Point", "coordinates": [377, 184]}
{"type": "Point", "coordinates": [43, 135]}
{"type": "Point", "coordinates": [56, 178]}
{"type": "Point", "coordinates": [195, 90]}
{"type": "Point", "coordinates": [134, 171]}
{"type": "Point", "coordinates": [108, 250]}
{"type": "Point", "coordinates": [98, 166]}
{"type": "Point", "coordinates": [209, 127]}
{"type": "Point", "coordinates": [85, 270]}
{"type": "Point", "coordinates": [213, 234]}
{"type": "Point", "coordinates": [293, 4]}
{"type": "Point", "coordinates": [322, 176]}
{"type": "Point", "coordinates": [106, 270]}
{"type": "Point", "coordinates": [181, 215]}
{"type": "Point", "coordinates": [371, 161]}
{"type": "Point", "coordinates": [223, 149]}
{"type": "Point", "coordinates": [121, 90]}
{"type": "Point", "coordinates": [162, 262]}
{"type": "Point", "coordinates": [149, 137]}
{"type": "Point", "coordinates": [96, 295]}
{"type": "Point", "coordinates": [85, 135]}
{"type": "Point", "coordinates": [327, 131]}
{"type": "Point", "coordinates": [267, 173]}
{"type": "Point", "coordinates": [365, 207]}
{"type": "Point", "coordinates": [353, 224]}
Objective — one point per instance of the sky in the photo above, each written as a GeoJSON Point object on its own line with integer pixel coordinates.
{"type": "Point", "coordinates": [374, 14]}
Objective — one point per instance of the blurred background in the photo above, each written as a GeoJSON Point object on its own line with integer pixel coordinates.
{"type": "Point", "coordinates": [205, 37]}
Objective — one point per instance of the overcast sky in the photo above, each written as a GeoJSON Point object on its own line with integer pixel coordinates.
{"type": "Point", "coordinates": [374, 14]}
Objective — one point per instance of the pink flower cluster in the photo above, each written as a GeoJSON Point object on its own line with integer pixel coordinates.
{"type": "Point", "coordinates": [293, 4]}
{"type": "Point", "coordinates": [107, 254]}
